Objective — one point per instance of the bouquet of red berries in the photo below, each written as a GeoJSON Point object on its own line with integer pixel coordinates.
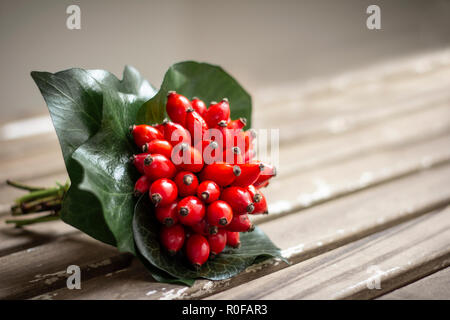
{"type": "Point", "coordinates": [199, 173]}
{"type": "Point", "coordinates": [196, 174]}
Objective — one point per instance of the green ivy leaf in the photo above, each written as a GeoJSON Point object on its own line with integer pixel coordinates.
{"type": "Point", "coordinates": [205, 81]}
{"type": "Point", "coordinates": [75, 101]}
{"type": "Point", "coordinates": [255, 246]}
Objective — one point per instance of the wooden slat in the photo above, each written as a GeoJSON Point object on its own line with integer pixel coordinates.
{"type": "Point", "coordinates": [32, 167]}
{"type": "Point", "coordinates": [386, 74]}
{"type": "Point", "coordinates": [43, 268]}
{"type": "Point", "coordinates": [16, 239]}
{"type": "Point", "coordinates": [395, 256]}
{"type": "Point", "coordinates": [315, 231]}
{"type": "Point", "coordinates": [393, 133]}
{"type": "Point", "coordinates": [305, 119]}
{"type": "Point", "coordinates": [123, 284]}
{"type": "Point", "coordinates": [433, 287]}
{"type": "Point", "coordinates": [28, 146]}
{"type": "Point", "coordinates": [307, 188]}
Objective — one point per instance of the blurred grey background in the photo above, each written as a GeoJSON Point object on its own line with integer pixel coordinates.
{"type": "Point", "coordinates": [262, 43]}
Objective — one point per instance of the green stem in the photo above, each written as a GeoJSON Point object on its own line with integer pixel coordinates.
{"type": "Point", "coordinates": [41, 202]}
{"type": "Point", "coordinates": [38, 194]}
{"type": "Point", "coordinates": [38, 200]}
{"type": "Point", "coordinates": [23, 186]}
{"type": "Point", "coordinates": [24, 222]}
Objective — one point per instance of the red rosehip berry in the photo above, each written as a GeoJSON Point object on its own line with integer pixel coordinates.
{"type": "Point", "coordinates": [217, 242]}
{"type": "Point", "coordinates": [238, 124]}
{"type": "Point", "coordinates": [221, 173]}
{"type": "Point", "coordinates": [219, 213]}
{"type": "Point", "coordinates": [191, 210]}
{"type": "Point", "coordinates": [268, 172]}
{"type": "Point", "coordinates": [172, 238]}
{"type": "Point", "coordinates": [249, 155]}
{"type": "Point", "coordinates": [217, 112]}
{"type": "Point", "coordinates": [138, 161]}
{"type": "Point", "coordinates": [254, 193]}
{"type": "Point", "coordinates": [175, 133]}
{"type": "Point", "coordinates": [196, 125]}
{"type": "Point", "coordinates": [157, 166]}
{"type": "Point", "coordinates": [239, 199]}
{"type": "Point", "coordinates": [240, 223]}
{"type": "Point", "coordinates": [197, 250]}
{"type": "Point", "coordinates": [221, 134]}
{"type": "Point", "coordinates": [242, 140]}
{"type": "Point", "coordinates": [144, 133]}
{"type": "Point", "coordinates": [263, 185]}
{"type": "Point", "coordinates": [142, 185]}
{"type": "Point", "coordinates": [260, 204]}
{"type": "Point", "coordinates": [187, 183]}
{"type": "Point", "coordinates": [167, 215]}
{"type": "Point", "coordinates": [199, 106]}
{"type": "Point", "coordinates": [234, 156]}
{"type": "Point", "coordinates": [208, 191]}
{"type": "Point", "coordinates": [204, 228]}
{"type": "Point", "coordinates": [233, 239]}
{"type": "Point", "coordinates": [176, 107]}
{"type": "Point", "coordinates": [163, 192]}
{"type": "Point", "coordinates": [210, 150]}
{"type": "Point", "coordinates": [250, 172]}
{"type": "Point", "coordinates": [158, 146]}
{"type": "Point", "coordinates": [159, 127]}
{"type": "Point", "coordinates": [187, 158]}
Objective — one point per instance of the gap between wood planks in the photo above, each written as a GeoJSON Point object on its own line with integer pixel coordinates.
{"type": "Point", "coordinates": [300, 236]}
{"type": "Point", "coordinates": [433, 287]}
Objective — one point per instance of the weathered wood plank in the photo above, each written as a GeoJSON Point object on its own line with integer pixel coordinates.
{"type": "Point", "coordinates": [43, 268]}
{"type": "Point", "coordinates": [122, 284]}
{"type": "Point", "coordinates": [433, 287]}
{"type": "Point", "coordinates": [363, 269]}
{"type": "Point", "coordinates": [391, 133]}
{"type": "Point", "coordinates": [305, 119]}
{"type": "Point", "coordinates": [314, 231]}
{"type": "Point", "coordinates": [16, 239]}
{"type": "Point", "coordinates": [34, 166]}
{"type": "Point", "coordinates": [288, 194]}
{"type": "Point", "coordinates": [386, 74]}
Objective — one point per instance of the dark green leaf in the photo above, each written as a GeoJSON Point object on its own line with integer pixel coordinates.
{"type": "Point", "coordinates": [108, 173]}
{"type": "Point", "coordinates": [75, 100]}
{"type": "Point", "coordinates": [162, 276]}
{"type": "Point", "coordinates": [254, 245]}
{"type": "Point", "coordinates": [205, 81]}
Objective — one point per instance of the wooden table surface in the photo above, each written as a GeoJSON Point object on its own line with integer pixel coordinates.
{"type": "Point", "coordinates": [360, 206]}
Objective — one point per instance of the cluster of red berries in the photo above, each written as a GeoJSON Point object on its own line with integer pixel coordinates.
{"type": "Point", "coordinates": [199, 172]}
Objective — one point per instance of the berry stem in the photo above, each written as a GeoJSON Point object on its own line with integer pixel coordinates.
{"type": "Point", "coordinates": [23, 186]}
{"type": "Point", "coordinates": [25, 222]}
{"type": "Point", "coordinates": [37, 200]}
